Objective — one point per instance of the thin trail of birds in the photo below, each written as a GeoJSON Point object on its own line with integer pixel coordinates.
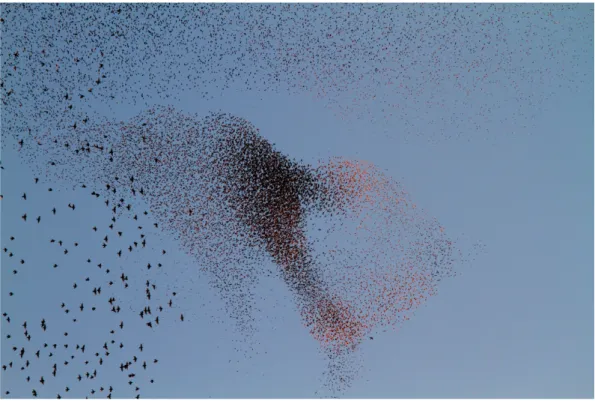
{"type": "Point", "coordinates": [382, 63]}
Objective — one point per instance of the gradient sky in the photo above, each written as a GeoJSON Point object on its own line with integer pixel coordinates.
{"type": "Point", "coordinates": [517, 323]}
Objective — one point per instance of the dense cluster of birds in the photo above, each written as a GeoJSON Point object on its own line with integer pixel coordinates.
{"type": "Point", "coordinates": [355, 251]}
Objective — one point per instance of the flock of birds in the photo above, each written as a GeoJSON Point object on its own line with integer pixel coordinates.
{"type": "Point", "coordinates": [38, 349]}
{"type": "Point", "coordinates": [354, 250]}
